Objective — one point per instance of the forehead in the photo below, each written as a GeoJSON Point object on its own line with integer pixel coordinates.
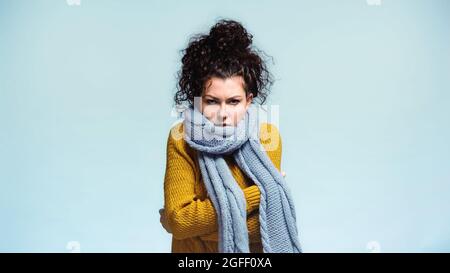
{"type": "Point", "coordinates": [223, 88]}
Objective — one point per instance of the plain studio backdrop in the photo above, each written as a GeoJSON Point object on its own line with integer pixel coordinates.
{"type": "Point", "coordinates": [85, 110]}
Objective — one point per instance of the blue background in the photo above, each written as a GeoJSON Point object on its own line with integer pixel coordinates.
{"type": "Point", "coordinates": [85, 110]}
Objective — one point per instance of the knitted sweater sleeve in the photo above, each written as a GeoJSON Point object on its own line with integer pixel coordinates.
{"type": "Point", "coordinates": [186, 214]}
{"type": "Point", "coordinates": [271, 140]}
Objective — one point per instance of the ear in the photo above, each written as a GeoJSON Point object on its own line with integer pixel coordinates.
{"type": "Point", "coordinates": [249, 100]}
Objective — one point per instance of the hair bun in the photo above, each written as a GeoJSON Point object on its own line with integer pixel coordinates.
{"type": "Point", "coordinates": [229, 36]}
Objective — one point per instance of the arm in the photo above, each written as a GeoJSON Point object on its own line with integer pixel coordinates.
{"type": "Point", "coordinates": [252, 195]}
{"type": "Point", "coordinates": [252, 225]}
{"type": "Point", "coordinates": [271, 140]}
{"type": "Point", "coordinates": [185, 214]}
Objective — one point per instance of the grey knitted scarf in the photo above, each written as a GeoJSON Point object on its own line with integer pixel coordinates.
{"type": "Point", "coordinates": [277, 217]}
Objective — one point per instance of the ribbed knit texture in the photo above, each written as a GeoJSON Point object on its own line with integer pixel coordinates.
{"type": "Point", "coordinates": [189, 212]}
{"type": "Point", "coordinates": [277, 215]}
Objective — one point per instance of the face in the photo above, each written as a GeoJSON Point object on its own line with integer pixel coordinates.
{"type": "Point", "coordinates": [224, 101]}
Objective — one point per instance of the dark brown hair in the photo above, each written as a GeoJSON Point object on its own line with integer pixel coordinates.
{"type": "Point", "coordinates": [225, 52]}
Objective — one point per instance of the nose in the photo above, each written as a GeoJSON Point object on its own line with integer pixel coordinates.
{"type": "Point", "coordinates": [223, 114]}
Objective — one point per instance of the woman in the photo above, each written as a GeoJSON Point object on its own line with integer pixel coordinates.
{"type": "Point", "coordinates": [223, 186]}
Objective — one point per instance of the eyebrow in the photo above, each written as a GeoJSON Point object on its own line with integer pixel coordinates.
{"type": "Point", "coordinates": [234, 97]}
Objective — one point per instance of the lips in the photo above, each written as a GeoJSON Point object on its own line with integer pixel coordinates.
{"type": "Point", "coordinates": [222, 124]}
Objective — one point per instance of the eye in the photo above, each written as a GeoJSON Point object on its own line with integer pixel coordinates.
{"type": "Point", "coordinates": [210, 101]}
{"type": "Point", "coordinates": [234, 102]}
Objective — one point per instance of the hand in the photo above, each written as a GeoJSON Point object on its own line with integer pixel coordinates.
{"type": "Point", "coordinates": [163, 220]}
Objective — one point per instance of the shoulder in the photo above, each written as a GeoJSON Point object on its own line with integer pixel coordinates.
{"type": "Point", "coordinates": [269, 136]}
{"type": "Point", "coordinates": [176, 142]}
{"type": "Point", "coordinates": [270, 139]}
{"type": "Point", "coordinates": [176, 133]}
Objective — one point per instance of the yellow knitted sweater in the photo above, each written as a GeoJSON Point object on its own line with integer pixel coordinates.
{"type": "Point", "coordinates": [189, 212]}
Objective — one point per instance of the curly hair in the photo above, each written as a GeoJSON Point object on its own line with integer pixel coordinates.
{"type": "Point", "coordinates": [225, 52]}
